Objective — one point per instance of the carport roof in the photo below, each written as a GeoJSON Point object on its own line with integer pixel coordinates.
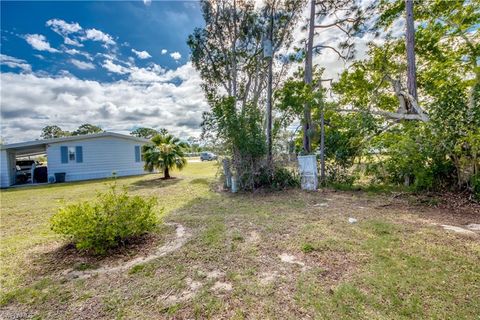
{"type": "Point", "coordinates": [39, 146]}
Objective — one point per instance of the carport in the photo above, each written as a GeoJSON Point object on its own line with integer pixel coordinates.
{"type": "Point", "coordinates": [11, 152]}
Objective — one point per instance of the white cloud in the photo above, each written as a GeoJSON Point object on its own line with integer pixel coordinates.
{"type": "Point", "coordinates": [164, 51]}
{"type": "Point", "coordinates": [118, 106]}
{"type": "Point", "coordinates": [150, 74]}
{"type": "Point", "coordinates": [39, 42]}
{"type": "Point", "coordinates": [64, 29]}
{"type": "Point", "coordinates": [115, 68]}
{"type": "Point", "coordinates": [175, 55]}
{"type": "Point", "coordinates": [78, 52]}
{"type": "Point", "coordinates": [83, 65]}
{"type": "Point", "coordinates": [97, 35]}
{"type": "Point", "coordinates": [72, 51]}
{"type": "Point", "coordinates": [72, 42]}
{"type": "Point", "coordinates": [147, 2]}
{"type": "Point", "coordinates": [153, 73]}
{"type": "Point", "coordinates": [142, 54]}
{"type": "Point", "coordinates": [13, 62]}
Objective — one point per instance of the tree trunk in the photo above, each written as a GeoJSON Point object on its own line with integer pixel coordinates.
{"type": "Point", "coordinates": [166, 173]}
{"type": "Point", "coordinates": [410, 45]}
{"type": "Point", "coordinates": [307, 116]}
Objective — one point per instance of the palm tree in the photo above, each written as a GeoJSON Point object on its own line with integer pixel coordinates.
{"type": "Point", "coordinates": [164, 153]}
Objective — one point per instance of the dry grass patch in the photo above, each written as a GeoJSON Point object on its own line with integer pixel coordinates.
{"type": "Point", "coordinates": [391, 264]}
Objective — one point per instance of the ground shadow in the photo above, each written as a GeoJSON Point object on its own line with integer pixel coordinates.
{"type": "Point", "coordinates": [203, 181]}
{"type": "Point", "coordinates": [154, 183]}
{"type": "Point", "coordinates": [69, 257]}
{"type": "Point", "coordinates": [65, 184]}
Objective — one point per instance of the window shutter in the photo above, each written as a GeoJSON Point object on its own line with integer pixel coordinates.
{"type": "Point", "coordinates": [64, 154]}
{"type": "Point", "coordinates": [137, 153]}
{"type": "Point", "coordinates": [79, 154]}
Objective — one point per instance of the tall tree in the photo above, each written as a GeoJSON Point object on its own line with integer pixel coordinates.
{"type": "Point", "coordinates": [279, 18]}
{"type": "Point", "coordinates": [53, 131]}
{"type": "Point", "coordinates": [441, 146]}
{"type": "Point", "coordinates": [87, 128]}
{"type": "Point", "coordinates": [143, 132]}
{"type": "Point", "coordinates": [228, 54]}
{"type": "Point", "coordinates": [410, 39]}
{"type": "Point", "coordinates": [347, 17]}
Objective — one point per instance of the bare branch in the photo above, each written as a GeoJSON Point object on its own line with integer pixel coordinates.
{"type": "Point", "coordinates": [322, 46]}
{"type": "Point", "coordinates": [336, 23]}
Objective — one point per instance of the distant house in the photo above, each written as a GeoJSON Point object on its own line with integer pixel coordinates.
{"type": "Point", "coordinates": [81, 157]}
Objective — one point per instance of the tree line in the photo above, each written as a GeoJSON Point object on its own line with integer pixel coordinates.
{"type": "Point", "coordinates": [407, 114]}
{"type": "Point", "coordinates": [54, 131]}
{"type": "Point", "coordinates": [191, 145]}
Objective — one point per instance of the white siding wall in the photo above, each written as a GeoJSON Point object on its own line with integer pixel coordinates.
{"type": "Point", "coordinates": [7, 168]}
{"type": "Point", "coordinates": [101, 157]}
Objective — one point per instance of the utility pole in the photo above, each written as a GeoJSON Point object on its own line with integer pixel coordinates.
{"type": "Point", "coordinates": [322, 142]}
{"type": "Point", "coordinates": [268, 53]}
{"type": "Point", "coordinates": [410, 45]}
{"type": "Point", "coordinates": [307, 115]}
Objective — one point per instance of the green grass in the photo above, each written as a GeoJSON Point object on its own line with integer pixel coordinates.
{"type": "Point", "coordinates": [389, 265]}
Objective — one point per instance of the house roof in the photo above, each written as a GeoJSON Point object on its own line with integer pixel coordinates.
{"type": "Point", "coordinates": [39, 144]}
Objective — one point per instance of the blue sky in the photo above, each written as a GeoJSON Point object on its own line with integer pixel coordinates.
{"type": "Point", "coordinates": [117, 64]}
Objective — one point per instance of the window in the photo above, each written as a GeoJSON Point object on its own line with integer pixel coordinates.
{"type": "Point", "coordinates": [138, 155]}
{"type": "Point", "coordinates": [71, 153]}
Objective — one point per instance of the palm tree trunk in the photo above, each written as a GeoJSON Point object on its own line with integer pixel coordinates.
{"type": "Point", "coordinates": [166, 173]}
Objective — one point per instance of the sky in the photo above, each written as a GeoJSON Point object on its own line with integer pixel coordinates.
{"type": "Point", "coordinates": [119, 65]}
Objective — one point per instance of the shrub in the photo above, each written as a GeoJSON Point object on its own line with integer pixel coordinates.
{"type": "Point", "coordinates": [284, 178]}
{"type": "Point", "coordinates": [475, 181]}
{"type": "Point", "coordinates": [278, 178]}
{"type": "Point", "coordinates": [107, 222]}
{"type": "Point", "coordinates": [338, 175]}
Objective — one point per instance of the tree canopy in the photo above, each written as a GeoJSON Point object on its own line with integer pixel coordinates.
{"type": "Point", "coordinates": [164, 153]}
{"type": "Point", "coordinates": [409, 108]}
{"type": "Point", "coordinates": [87, 128]}
{"type": "Point", "coordinates": [146, 133]}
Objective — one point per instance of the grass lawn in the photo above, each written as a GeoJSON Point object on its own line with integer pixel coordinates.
{"type": "Point", "coordinates": [279, 255]}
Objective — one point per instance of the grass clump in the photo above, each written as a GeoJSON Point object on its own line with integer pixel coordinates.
{"type": "Point", "coordinates": [307, 248]}
{"type": "Point", "coordinates": [106, 222]}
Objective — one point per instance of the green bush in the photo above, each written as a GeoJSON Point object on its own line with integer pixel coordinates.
{"type": "Point", "coordinates": [284, 178]}
{"type": "Point", "coordinates": [339, 175]}
{"type": "Point", "coordinates": [106, 222]}
{"type": "Point", "coordinates": [278, 178]}
{"type": "Point", "coordinates": [475, 182]}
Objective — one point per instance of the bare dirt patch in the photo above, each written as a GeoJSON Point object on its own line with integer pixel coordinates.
{"type": "Point", "coordinates": [220, 286]}
{"type": "Point", "coordinates": [267, 278]}
{"type": "Point", "coordinates": [288, 258]}
{"type": "Point", "coordinates": [188, 293]}
{"type": "Point", "coordinates": [444, 208]}
{"type": "Point", "coordinates": [457, 229]}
